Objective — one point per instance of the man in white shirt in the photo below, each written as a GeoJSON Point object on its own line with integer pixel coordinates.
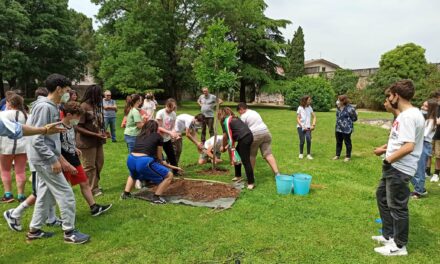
{"type": "Point", "coordinates": [262, 136]}
{"type": "Point", "coordinates": [207, 103]}
{"type": "Point", "coordinates": [187, 125]}
{"type": "Point", "coordinates": [208, 150]}
{"type": "Point", "coordinates": [403, 151]}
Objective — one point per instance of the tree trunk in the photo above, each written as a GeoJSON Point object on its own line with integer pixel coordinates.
{"type": "Point", "coordinates": [217, 106]}
{"type": "Point", "coordinates": [242, 91]}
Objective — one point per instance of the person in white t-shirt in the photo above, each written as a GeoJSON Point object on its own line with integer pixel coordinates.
{"type": "Point", "coordinates": [261, 134]}
{"type": "Point", "coordinates": [404, 148]}
{"type": "Point", "coordinates": [208, 150]}
{"type": "Point", "coordinates": [166, 119]}
{"type": "Point", "coordinates": [187, 125]}
{"type": "Point", "coordinates": [305, 125]}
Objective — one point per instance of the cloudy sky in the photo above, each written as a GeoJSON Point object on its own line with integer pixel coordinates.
{"type": "Point", "coordinates": [350, 33]}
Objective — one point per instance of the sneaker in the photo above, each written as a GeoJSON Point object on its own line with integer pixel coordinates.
{"type": "Point", "coordinates": [434, 178]}
{"type": "Point", "coordinates": [424, 193]}
{"type": "Point", "coordinates": [391, 250]}
{"type": "Point", "coordinates": [335, 158]}
{"type": "Point", "coordinates": [382, 240]}
{"type": "Point", "coordinates": [21, 198]}
{"type": "Point", "coordinates": [38, 234]}
{"type": "Point", "coordinates": [99, 209]}
{"type": "Point", "coordinates": [138, 185]}
{"type": "Point", "coordinates": [309, 157]}
{"type": "Point", "coordinates": [416, 195]}
{"type": "Point", "coordinates": [301, 156]}
{"type": "Point", "coordinates": [158, 200]}
{"type": "Point", "coordinates": [347, 159]}
{"type": "Point", "coordinates": [125, 196]}
{"type": "Point", "coordinates": [56, 222]}
{"type": "Point", "coordinates": [13, 223]}
{"type": "Point", "coordinates": [75, 237]}
{"type": "Point", "coordinates": [7, 198]}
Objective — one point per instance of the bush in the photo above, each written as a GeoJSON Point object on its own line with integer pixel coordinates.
{"type": "Point", "coordinates": [323, 96]}
{"type": "Point", "coordinates": [344, 81]}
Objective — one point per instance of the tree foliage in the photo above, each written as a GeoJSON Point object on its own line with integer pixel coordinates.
{"type": "Point", "coordinates": [343, 81]}
{"type": "Point", "coordinates": [318, 88]}
{"type": "Point", "coordinates": [295, 55]}
{"type": "Point", "coordinates": [404, 62]}
{"type": "Point", "coordinates": [217, 60]}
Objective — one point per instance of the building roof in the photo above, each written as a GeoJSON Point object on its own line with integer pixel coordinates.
{"type": "Point", "coordinates": [323, 61]}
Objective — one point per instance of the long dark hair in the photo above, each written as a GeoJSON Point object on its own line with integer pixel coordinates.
{"type": "Point", "coordinates": [303, 101]}
{"type": "Point", "coordinates": [225, 112]}
{"type": "Point", "coordinates": [17, 102]}
{"type": "Point", "coordinates": [93, 96]}
{"type": "Point", "coordinates": [150, 127]}
{"type": "Point", "coordinates": [432, 111]}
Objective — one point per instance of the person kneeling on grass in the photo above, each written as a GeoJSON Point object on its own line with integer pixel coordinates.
{"type": "Point", "coordinates": [72, 168]}
{"type": "Point", "coordinates": [145, 162]}
{"type": "Point", "coordinates": [208, 150]}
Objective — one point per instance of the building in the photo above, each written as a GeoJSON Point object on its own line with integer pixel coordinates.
{"type": "Point", "coordinates": [318, 66]}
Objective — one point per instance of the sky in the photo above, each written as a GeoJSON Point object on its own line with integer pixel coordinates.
{"type": "Point", "coordinates": [350, 33]}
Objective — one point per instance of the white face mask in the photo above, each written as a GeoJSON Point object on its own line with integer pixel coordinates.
{"type": "Point", "coordinates": [74, 122]}
{"type": "Point", "coordinates": [65, 98]}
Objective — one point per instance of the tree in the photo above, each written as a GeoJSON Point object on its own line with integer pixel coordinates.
{"type": "Point", "coordinates": [404, 62]}
{"type": "Point", "coordinates": [343, 81]}
{"type": "Point", "coordinates": [295, 55]}
{"type": "Point", "coordinates": [215, 64]}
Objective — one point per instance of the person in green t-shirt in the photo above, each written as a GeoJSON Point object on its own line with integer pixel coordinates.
{"type": "Point", "coordinates": [134, 122]}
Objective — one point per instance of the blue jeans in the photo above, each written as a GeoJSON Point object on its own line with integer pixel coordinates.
{"type": "Point", "coordinates": [130, 140]}
{"type": "Point", "coordinates": [419, 179]}
{"type": "Point", "coordinates": [112, 122]}
{"type": "Point", "coordinates": [304, 135]}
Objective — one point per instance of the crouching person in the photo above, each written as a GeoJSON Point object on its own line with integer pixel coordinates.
{"type": "Point", "coordinates": [208, 150]}
{"type": "Point", "coordinates": [145, 162]}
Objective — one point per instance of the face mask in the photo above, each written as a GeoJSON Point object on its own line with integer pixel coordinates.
{"type": "Point", "coordinates": [395, 105]}
{"type": "Point", "coordinates": [65, 98]}
{"type": "Point", "coordinates": [74, 122]}
{"type": "Point", "coordinates": [337, 102]}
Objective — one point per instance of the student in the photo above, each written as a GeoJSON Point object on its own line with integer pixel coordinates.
{"type": "Point", "coordinates": [110, 109]}
{"type": "Point", "coordinates": [166, 118]}
{"type": "Point", "coordinates": [207, 104]}
{"type": "Point", "coordinates": [208, 150]}
{"type": "Point", "coordinates": [261, 134]}
{"type": "Point", "coordinates": [187, 125]}
{"type": "Point", "coordinates": [345, 117]}
{"type": "Point", "coordinates": [145, 162]}
{"type": "Point", "coordinates": [73, 96]}
{"type": "Point", "coordinates": [91, 137]}
{"type": "Point", "coordinates": [72, 168]}
{"type": "Point", "coordinates": [45, 156]}
{"type": "Point", "coordinates": [430, 124]}
{"type": "Point", "coordinates": [149, 106]}
{"type": "Point", "coordinates": [134, 122]}
{"type": "Point", "coordinates": [405, 144]}
{"type": "Point", "coordinates": [13, 152]}
{"type": "Point", "coordinates": [305, 125]}
{"type": "Point", "coordinates": [235, 130]}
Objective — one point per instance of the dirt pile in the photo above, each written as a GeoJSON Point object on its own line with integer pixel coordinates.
{"type": "Point", "coordinates": [200, 190]}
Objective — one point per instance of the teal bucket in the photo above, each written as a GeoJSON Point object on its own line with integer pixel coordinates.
{"type": "Point", "coordinates": [301, 183]}
{"type": "Point", "coordinates": [284, 184]}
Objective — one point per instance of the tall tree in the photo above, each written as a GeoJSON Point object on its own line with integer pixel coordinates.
{"type": "Point", "coordinates": [295, 55]}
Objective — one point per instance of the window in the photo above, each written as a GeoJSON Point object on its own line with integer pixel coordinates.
{"type": "Point", "coordinates": [323, 69]}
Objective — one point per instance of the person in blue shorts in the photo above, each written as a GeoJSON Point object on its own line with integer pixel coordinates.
{"type": "Point", "coordinates": [145, 162]}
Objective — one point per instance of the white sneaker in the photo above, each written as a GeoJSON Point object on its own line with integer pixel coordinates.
{"type": "Point", "coordinates": [13, 223]}
{"type": "Point", "coordinates": [138, 185]}
{"type": "Point", "coordinates": [301, 156]}
{"type": "Point", "coordinates": [391, 250]}
{"type": "Point", "coordinates": [434, 178]}
{"type": "Point", "coordinates": [383, 240]}
{"type": "Point", "coordinates": [309, 157]}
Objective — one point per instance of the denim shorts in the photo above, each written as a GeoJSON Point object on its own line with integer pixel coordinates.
{"type": "Point", "coordinates": [130, 140]}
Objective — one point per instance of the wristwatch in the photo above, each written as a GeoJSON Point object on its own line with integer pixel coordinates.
{"type": "Point", "coordinates": [386, 162]}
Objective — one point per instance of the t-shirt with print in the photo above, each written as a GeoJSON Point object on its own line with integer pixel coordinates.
{"type": "Point", "coordinates": [168, 120]}
{"type": "Point", "coordinates": [408, 127]}
{"type": "Point", "coordinates": [109, 113]}
{"type": "Point", "coordinates": [254, 121]}
{"type": "Point", "coordinates": [68, 148]}
{"type": "Point", "coordinates": [305, 115]}
{"type": "Point", "coordinates": [208, 104]}
{"type": "Point", "coordinates": [148, 144]}
{"type": "Point", "coordinates": [133, 117]}
{"type": "Point", "coordinates": [183, 122]}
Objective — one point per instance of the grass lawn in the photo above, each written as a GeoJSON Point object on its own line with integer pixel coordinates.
{"type": "Point", "coordinates": [330, 225]}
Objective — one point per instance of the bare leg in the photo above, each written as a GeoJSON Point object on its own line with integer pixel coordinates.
{"type": "Point", "coordinates": [129, 185]}
{"type": "Point", "coordinates": [164, 184]}
{"type": "Point", "coordinates": [272, 163]}
{"type": "Point", "coordinates": [253, 161]}
{"type": "Point", "coordinates": [87, 193]}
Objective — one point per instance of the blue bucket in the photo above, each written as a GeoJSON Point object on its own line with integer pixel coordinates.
{"type": "Point", "coordinates": [284, 184]}
{"type": "Point", "coordinates": [301, 183]}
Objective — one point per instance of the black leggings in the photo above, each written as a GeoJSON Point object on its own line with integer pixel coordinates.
{"type": "Point", "coordinates": [244, 150]}
{"type": "Point", "coordinates": [307, 135]}
{"type": "Point", "coordinates": [340, 137]}
{"type": "Point", "coordinates": [171, 155]}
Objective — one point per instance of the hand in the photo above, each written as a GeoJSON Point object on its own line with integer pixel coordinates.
{"type": "Point", "coordinates": [56, 167]}
{"type": "Point", "coordinates": [200, 146]}
{"type": "Point", "coordinates": [379, 151]}
{"type": "Point", "coordinates": [179, 169]}
{"type": "Point", "coordinates": [54, 129]}
{"type": "Point", "coordinates": [101, 135]}
{"type": "Point", "coordinates": [78, 152]}
{"type": "Point", "coordinates": [313, 127]}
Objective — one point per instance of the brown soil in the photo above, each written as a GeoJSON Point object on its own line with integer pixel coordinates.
{"type": "Point", "coordinates": [210, 172]}
{"type": "Point", "coordinates": [200, 190]}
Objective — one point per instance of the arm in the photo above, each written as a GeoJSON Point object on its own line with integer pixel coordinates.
{"type": "Point", "coordinates": [66, 166]}
{"type": "Point", "coordinates": [87, 132]}
{"type": "Point", "coordinates": [298, 120]}
{"type": "Point", "coordinates": [190, 134]}
{"type": "Point", "coordinates": [163, 130]}
{"type": "Point", "coordinates": [380, 150]}
{"type": "Point", "coordinates": [220, 101]}
{"type": "Point", "coordinates": [406, 148]}
{"type": "Point", "coordinates": [314, 120]}
{"type": "Point", "coordinates": [225, 142]}
{"type": "Point", "coordinates": [199, 102]}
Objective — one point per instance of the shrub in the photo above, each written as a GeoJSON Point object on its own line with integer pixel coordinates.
{"type": "Point", "coordinates": [323, 96]}
{"type": "Point", "coordinates": [344, 81]}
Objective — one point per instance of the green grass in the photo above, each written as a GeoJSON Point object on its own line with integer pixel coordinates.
{"type": "Point", "coordinates": [331, 225]}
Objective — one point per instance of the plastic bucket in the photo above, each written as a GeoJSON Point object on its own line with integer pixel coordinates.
{"type": "Point", "coordinates": [301, 183]}
{"type": "Point", "coordinates": [284, 184]}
